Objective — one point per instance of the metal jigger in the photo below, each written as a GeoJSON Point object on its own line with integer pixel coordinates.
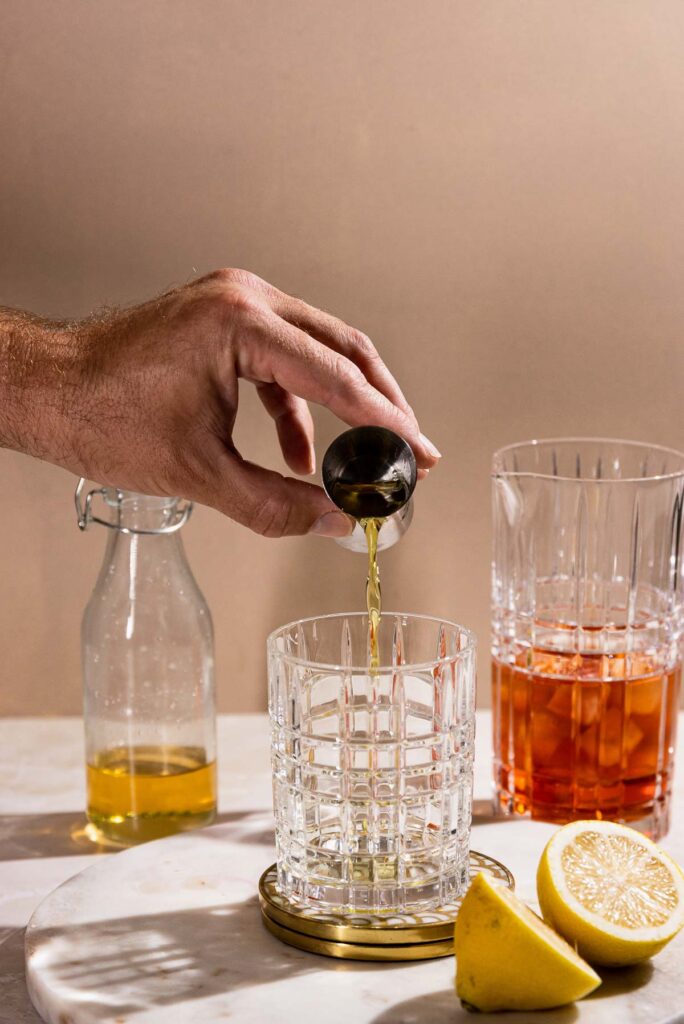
{"type": "Point", "coordinates": [370, 472]}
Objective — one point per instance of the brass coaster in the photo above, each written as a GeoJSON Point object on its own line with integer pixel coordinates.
{"type": "Point", "coordinates": [357, 950]}
{"type": "Point", "coordinates": [368, 931]}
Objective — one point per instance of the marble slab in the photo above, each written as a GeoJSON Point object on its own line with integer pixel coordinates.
{"type": "Point", "coordinates": [41, 820]}
{"type": "Point", "coordinates": [258, 979]}
{"type": "Point", "coordinates": [170, 933]}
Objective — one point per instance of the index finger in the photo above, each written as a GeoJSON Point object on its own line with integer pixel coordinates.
{"type": "Point", "coordinates": [311, 370]}
{"type": "Point", "coordinates": [346, 340]}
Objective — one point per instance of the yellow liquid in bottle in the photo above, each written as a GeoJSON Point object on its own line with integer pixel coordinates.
{"type": "Point", "coordinates": [141, 793]}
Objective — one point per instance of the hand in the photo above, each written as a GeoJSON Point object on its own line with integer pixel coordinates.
{"type": "Point", "coordinates": [149, 397]}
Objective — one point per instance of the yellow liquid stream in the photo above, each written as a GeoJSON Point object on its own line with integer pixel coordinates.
{"type": "Point", "coordinates": [371, 527]}
{"type": "Point", "coordinates": [141, 793]}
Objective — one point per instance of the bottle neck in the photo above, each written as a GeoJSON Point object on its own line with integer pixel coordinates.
{"type": "Point", "coordinates": [133, 511]}
{"type": "Point", "coordinates": [153, 558]}
{"type": "Point", "coordinates": [143, 562]}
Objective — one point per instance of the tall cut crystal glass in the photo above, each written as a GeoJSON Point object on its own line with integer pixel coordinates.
{"type": "Point", "coordinates": [587, 625]}
{"type": "Point", "coordinates": [372, 769]}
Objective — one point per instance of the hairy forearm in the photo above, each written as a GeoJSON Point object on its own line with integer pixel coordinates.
{"type": "Point", "coordinates": [38, 383]}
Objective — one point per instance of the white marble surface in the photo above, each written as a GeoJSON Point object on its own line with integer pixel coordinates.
{"type": "Point", "coordinates": [219, 963]}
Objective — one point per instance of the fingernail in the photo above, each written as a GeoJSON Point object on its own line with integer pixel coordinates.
{"type": "Point", "coordinates": [333, 524]}
{"type": "Point", "coordinates": [427, 443]}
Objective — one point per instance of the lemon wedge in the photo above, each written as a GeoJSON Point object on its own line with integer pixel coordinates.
{"type": "Point", "coordinates": [508, 959]}
{"type": "Point", "coordinates": [610, 891]}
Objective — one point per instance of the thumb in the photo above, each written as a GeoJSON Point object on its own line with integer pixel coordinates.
{"type": "Point", "coordinates": [274, 505]}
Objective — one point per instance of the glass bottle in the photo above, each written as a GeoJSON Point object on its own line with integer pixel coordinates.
{"type": "Point", "coordinates": [148, 676]}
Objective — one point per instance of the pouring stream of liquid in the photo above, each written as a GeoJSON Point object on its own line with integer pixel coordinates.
{"type": "Point", "coordinates": [371, 527]}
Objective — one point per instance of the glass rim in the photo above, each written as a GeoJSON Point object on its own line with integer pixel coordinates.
{"type": "Point", "coordinates": [294, 659]}
{"type": "Point", "coordinates": [644, 445]}
{"type": "Point", "coordinates": [117, 497]}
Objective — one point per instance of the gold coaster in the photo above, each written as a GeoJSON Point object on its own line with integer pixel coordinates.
{"type": "Point", "coordinates": [357, 950]}
{"type": "Point", "coordinates": [367, 936]}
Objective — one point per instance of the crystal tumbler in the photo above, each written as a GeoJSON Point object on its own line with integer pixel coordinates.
{"type": "Point", "coordinates": [372, 769]}
{"type": "Point", "coordinates": [587, 625]}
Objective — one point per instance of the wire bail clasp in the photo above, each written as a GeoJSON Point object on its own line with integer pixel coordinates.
{"type": "Point", "coordinates": [85, 514]}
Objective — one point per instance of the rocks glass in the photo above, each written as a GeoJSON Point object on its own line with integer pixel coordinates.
{"type": "Point", "coordinates": [372, 769]}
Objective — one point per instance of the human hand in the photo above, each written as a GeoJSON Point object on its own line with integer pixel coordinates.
{"type": "Point", "coordinates": [149, 398]}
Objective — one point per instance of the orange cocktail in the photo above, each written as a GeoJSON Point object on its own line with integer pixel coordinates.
{"type": "Point", "coordinates": [588, 617]}
{"type": "Point", "coordinates": [583, 735]}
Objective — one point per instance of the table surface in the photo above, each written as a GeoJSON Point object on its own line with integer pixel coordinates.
{"type": "Point", "coordinates": [42, 844]}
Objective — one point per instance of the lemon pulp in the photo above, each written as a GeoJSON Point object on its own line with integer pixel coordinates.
{"type": "Point", "coordinates": [610, 892]}
{"type": "Point", "coordinates": [619, 880]}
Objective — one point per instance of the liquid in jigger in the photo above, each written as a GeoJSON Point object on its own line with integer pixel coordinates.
{"type": "Point", "coordinates": [377, 500]}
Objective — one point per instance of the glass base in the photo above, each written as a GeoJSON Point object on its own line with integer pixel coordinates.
{"type": "Point", "coordinates": [399, 929]}
{"type": "Point", "coordinates": [652, 819]}
{"type": "Point", "coordinates": [374, 883]}
{"type": "Point", "coordinates": [367, 936]}
{"type": "Point", "coordinates": [142, 829]}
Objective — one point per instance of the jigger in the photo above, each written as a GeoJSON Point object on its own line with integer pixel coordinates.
{"type": "Point", "coordinates": [370, 472]}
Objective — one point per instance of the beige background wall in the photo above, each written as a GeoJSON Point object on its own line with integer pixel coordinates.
{"type": "Point", "coordinates": [494, 191]}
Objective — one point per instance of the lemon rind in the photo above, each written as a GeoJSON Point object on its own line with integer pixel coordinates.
{"type": "Point", "coordinates": [578, 979]}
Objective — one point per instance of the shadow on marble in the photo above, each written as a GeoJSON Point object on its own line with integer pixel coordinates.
{"type": "Point", "coordinates": [15, 1007]}
{"type": "Point", "coordinates": [264, 837]}
{"type": "Point", "coordinates": [260, 836]}
{"type": "Point", "coordinates": [617, 981]}
{"type": "Point", "coordinates": [445, 1008]}
{"type": "Point", "coordinates": [26, 836]}
{"type": "Point", "coordinates": [486, 813]}
{"type": "Point", "coordinates": [126, 965]}
{"type": "Point", "coordinates": [230, 817]}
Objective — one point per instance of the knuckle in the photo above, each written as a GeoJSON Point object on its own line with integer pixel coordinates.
{"type": "Point", "coordinates": [347, 374]}
{"type": "Point", "coordinates": [235, 299]}
{"type": "Point", "coordinates": [243, 301]}
{"type": "Point", "coordinates": [363, 344]}
{"type": "Point", "coordinates": [235, 291]}
{"type": "Point", "coordinates": [232, 275]}
{"type": "Point", "coordinates": [271, 517]}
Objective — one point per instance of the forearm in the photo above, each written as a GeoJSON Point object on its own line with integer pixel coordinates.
{"type": "Point", "coordinates": [39, 381]}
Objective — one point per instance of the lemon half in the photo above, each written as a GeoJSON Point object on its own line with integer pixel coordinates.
{"type": "Point", "coordinates": [508, 959]}
{"type": "Point", "coordinates": [610, 891]}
